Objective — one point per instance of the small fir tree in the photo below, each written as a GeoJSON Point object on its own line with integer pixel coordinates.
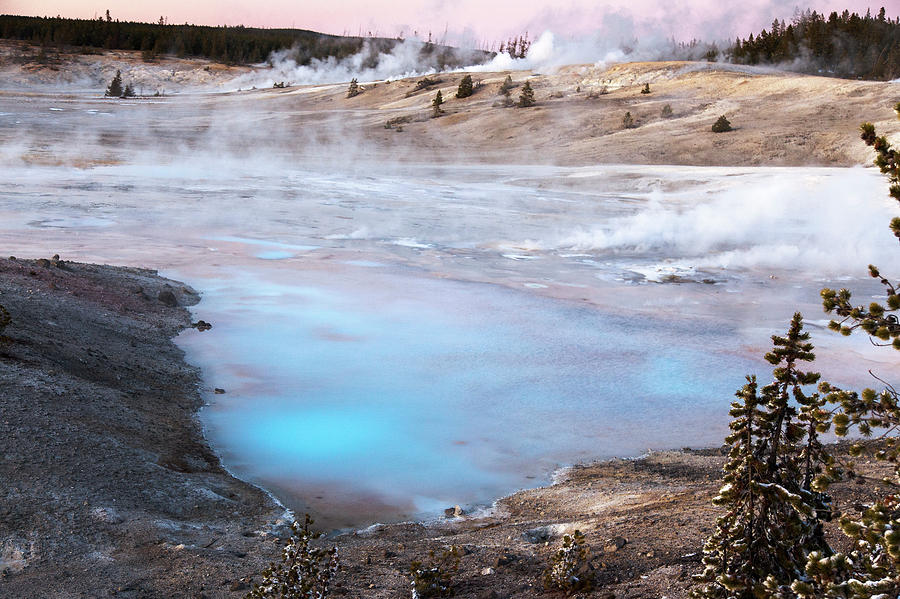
{"type": "Point", "coordinates": [436, 105]}
{"type": "Point", "coordinates": [628, 121]}
{"type": "Point", "coordinates": [570, 567]}
{"type": "Point", "coordinates": [526, 98]}
{"type": "Point", "coordinates": [465, 87]}
{"type": "Point", "coordinates": [129, 91]}
{"type": "Point", "coordinates": [773, 518]}
{"type": "Point", "coordinates": [115, 89]}
{"type": "Point", "coordinates": [353, 89]}
{"type": "Point", "coordinates": [506, 86]}
{"type": "Point", "coordinates": [666, 111]}
{"type": "Point", "coordinates": [646, 89]}
{"type": "Point", "coordinates": [721, 125]}
{"type": "Point", "coordinates": [303, 572]}
{"type": "Point", "coordinates": [434, 579]}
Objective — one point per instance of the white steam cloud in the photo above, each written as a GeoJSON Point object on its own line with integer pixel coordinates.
{"type": "Point", "coordinates": [833, 225]}
{"type": "Point", "coordinates": [404, 59]}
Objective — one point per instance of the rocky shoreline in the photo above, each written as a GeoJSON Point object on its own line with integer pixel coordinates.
{"type": "Point", "coordinates": [109, 488]}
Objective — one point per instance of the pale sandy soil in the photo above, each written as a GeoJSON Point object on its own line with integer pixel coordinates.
{"type": "Point", "coordinates": [779, 118]}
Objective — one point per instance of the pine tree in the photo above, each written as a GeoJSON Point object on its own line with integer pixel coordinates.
{"type": "Point", "coordinates": [773, 518]}
{"type": "Point", "coordinates": [506, 86]}
{"type": "Point", "coordinates": [128, 92]}
{"type": "Point", "coordinates": [115, 89]}
{"type": "Point", "coordinates": [465, 87]}
{"type": "Point", "coordinates": [526, 98]}
{"type": "Point", "coordinates": [436, 105]}
{"type": "Point", "coordinates": [872, 568]}
{"type": "Point", "coordinates": [628, 121]}
{"type": "Point", "coordinates": [721, 125]}
{"type": "Point", "coordinates": [666, 111]}
{"type": "Point", "coordinates": [353, 89]}
{"type": "Point", "coordinates": [646, 89]}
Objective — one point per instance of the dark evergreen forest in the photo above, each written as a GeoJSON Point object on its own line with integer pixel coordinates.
{"type": "Point", "coordinates": [232, 45]}
{"type": "Point", "coordinates": [841, 45]}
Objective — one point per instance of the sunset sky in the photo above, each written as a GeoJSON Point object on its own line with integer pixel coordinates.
{"type": "Point", "coordinates": [465, 21]}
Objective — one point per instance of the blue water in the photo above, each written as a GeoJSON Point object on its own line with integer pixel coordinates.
{"type": "Point", "coordinates": [393, 396]}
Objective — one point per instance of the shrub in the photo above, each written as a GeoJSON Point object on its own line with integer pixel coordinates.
{"type": "Point", "coordinates": [646, 89]}
{"type": "Point", "coordinates": [465, 87]}
{"type": "Point", "coordinates": [303, 572]}
{"type": "Point", "coordinates": [666, 111]}
{"type": "Point", "coordinates": [526, 98]}
{"type": "Point", "coordinates": [114, 90]}
{"type": "Point", "coordinates": [436, 578]}
{"type": "Point", "coordinates": [570, 566]}
{"type": "Point", "coordinates": [436, 105]}
{"type": "Point", "coordinates": [628, 121]}
{"type": "Point", "coordinates": [353, 89]}
{"type": "Point", "coordinates": [722, 125]}
{"type": "Point", "coordinates": [426, 82]}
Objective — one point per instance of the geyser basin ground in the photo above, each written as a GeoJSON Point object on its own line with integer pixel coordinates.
{"type": "Point", "coordinates": [395, 338]}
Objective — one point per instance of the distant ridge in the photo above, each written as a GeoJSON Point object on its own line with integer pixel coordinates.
{"type": "Point", "coordinates": [231, 45]}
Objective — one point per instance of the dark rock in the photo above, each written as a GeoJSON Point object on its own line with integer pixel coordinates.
{"type": "Point", "coordinates": [43, 262]}
{"type": "Point", "coordinates": [541, 534]}
{"type": "Point", "coordinates": [168, 298]}
{"type": "Point", "coordinates": [504, 559]}
{"type": "Point", "coordinates": [218, 391]}
{"type": "Point", "coordinates": [453, 512]}
{"type": "Point", "coordinates": [239, 585]}
{"type": "Point", "coordinates": [614, 544]}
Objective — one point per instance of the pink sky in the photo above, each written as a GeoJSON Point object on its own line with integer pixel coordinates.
{"type": "Point", "coordinates": [464, 20]}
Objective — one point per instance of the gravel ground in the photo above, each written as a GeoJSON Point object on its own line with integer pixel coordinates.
{"type": "Point", "coordinates": [109, 489]}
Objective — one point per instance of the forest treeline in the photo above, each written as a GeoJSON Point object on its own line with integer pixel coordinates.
{"type": "Point", "coordinates": [841, 45]}
{"type": "Point", "coordinates": [233, 45]}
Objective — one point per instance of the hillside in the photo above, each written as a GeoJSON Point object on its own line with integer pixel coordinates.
{"type": "Point", "coordinates": [779, 118]}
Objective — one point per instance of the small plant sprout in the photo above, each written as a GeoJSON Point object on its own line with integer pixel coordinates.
{"type": "Point", "coordinates": [435, 579]}
{"type": "Point", "coordinates": [304, 572]}
{"type": "Point", "coordinates": [570, 567]}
